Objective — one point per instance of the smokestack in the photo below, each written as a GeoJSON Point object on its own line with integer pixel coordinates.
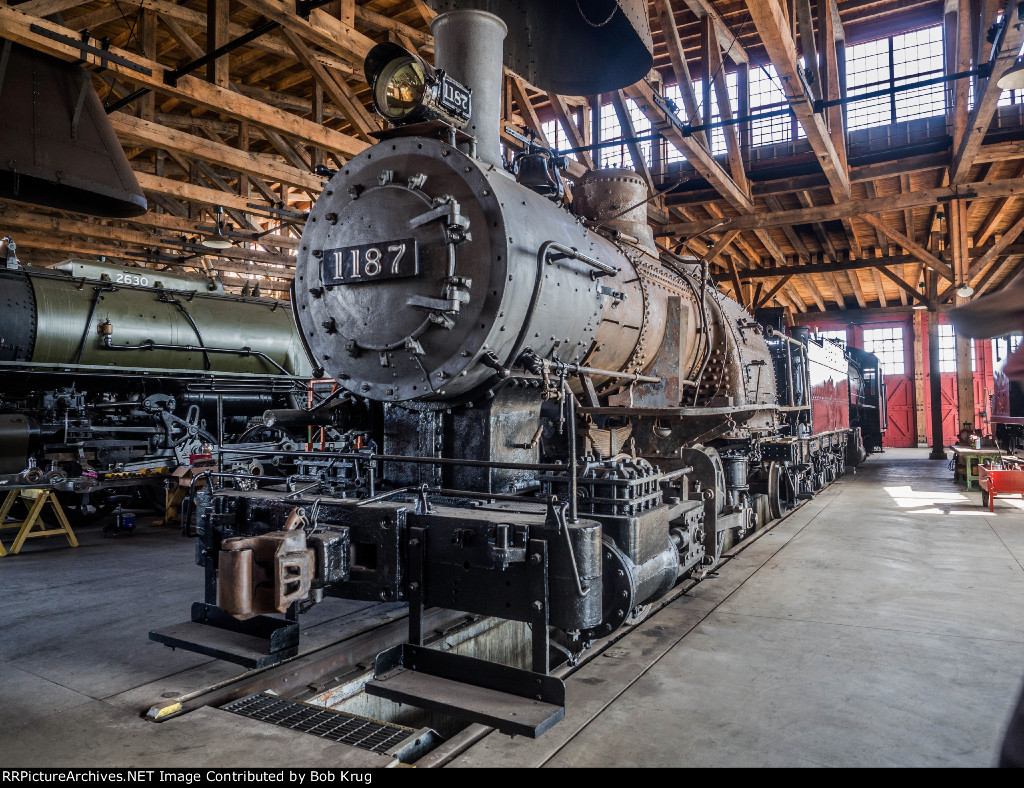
{"type": "Point", "coordinates": [468, 46]}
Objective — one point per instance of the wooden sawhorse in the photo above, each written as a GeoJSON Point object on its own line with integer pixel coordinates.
{"type": "Point", "coordinates": [25, 527]}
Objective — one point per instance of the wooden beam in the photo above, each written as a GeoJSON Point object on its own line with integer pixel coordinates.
{"type": "Point", "coordinates": [181, 36]}
{"type": "Point", "coordinates": [774, 290]}
{"type": "Point", "coordinates": [697, 154]}
{"type": "Point", "coordinates": [876, 274]}
{"type": "Point", "coordinates": [635, 153]}
{"type": "Point", "coordinates": [730, 43]}
{"type": "Point", "coordinates": [194, 193]}
{"type": "Point", "coordinates": [716, 70]}
{"type": "Point", "coordinates": [572, 131]}
{"type": "Point", "coordinates": [258, 164]}
{"type": "Point", "coordinates": [860, 264]}
{"type": "Point", "coordinates": [720, 245]}
{"type": "Point", "coordinates": [16, 26]}
{"type": "Point", "coordinates": [737, 285]}
{"type": "Point", "coordinates": [1008, 267]}
{"type": "Point", "coordinates": [770, 19]}
{"type": "Point", "coordinates": [48, 7]}
{"type": "Point", "coordinates": [881, 238]}
{"type": "Point", "coordinates": [915, 249]}
{"type": "Point", "coordinates": [987, 96]}
{"type": "Point", "coordinates": [218, 19]}
{"type": "Point", "coordinates": [895, 202]}
{"type": "Point", "coordinates": [996, 249]}
{"type": "Point", "coordinates": [907, 288]}
{"type": "Point", "coordinates": [326, 31]}
{"type": "Point", "coordinates": [338, 91]}
{"type": "Point", "coordinates": [518, 85]}
{"type": "Point", "coordinates": [680, 67]}
{"type": "Point", "coordinates": [812, 288]}
{"type": "Point", "coordinates": [809, 46]}
{"type": "Point", "coordinates": [858, 291]}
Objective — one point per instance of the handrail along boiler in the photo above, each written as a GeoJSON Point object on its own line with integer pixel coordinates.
{"type": "Point", "coordinates": [563, 423]}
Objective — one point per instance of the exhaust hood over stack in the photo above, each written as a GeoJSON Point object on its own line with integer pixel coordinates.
{"type": "Point", "coordinates": [58, 147]}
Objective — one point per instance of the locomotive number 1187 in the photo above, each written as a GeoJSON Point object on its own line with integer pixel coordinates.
{"type": "Point", "coordinates": [351, 265]}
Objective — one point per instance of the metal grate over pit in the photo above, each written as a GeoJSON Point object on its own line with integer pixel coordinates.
{"type": "Point", "coordinates": [378, 737]}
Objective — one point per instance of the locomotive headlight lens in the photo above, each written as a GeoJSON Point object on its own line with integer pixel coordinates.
{"type": "Point", "coordinates": [399, 89]}
{"type": "Point", "coordinates": [406, 89]}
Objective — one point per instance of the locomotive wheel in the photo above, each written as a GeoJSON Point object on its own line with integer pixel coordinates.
{"type": "Point", "coordinates": [776, 505]}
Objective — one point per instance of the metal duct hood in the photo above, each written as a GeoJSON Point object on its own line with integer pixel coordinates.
{"type": "Point", "coordinates": [571, 47]}
{"type": "Point", "coordinates": [58, 148]}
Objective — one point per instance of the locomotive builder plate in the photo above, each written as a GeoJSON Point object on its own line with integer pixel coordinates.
{"type": "Point", "coordinates": [349, 265]}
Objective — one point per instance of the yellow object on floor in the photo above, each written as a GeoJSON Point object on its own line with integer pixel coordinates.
{"type": "Point", "coordinates": [33, 521]}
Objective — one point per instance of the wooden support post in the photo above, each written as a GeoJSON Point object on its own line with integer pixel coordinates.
{"type": "Point", "coordinates": [147, 38]}
{"type": "Point", "coordinates": [935, 389]}
{"type": "Point", "coordinates": [964, 382]}
{"type": "Point", "coordinates": [919, 327]}
{"type": "Point", "coordinates": [218, 18]}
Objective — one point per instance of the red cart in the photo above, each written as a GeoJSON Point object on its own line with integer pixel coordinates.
{"type": "Point", "coordinates": [999, 481]}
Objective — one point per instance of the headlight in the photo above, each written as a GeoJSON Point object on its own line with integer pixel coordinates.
{"type": "Point", "coordinates": [406, 89]}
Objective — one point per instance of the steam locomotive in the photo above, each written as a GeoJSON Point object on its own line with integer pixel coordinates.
{"type": "Point", "coordinates": [560, 421]}
{"type": "Point", "coordinates": [114, 377]}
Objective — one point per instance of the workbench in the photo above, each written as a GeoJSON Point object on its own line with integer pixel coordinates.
{"type": "Point", "coordinates": [968, 461]}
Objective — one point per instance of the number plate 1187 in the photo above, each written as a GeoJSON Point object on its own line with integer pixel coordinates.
{"type": "Point", "coordinates": [350, 265]}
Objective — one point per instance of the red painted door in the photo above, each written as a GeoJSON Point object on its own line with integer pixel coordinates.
{"type": "Point", "coordinates": [901, 433]}
{"type": "Point", "coordinates": [950, 411]}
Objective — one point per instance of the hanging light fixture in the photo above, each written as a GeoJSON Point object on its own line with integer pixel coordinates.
{"type": "Point", "coordinates": [218, 240]}
{"type": "Point", "coordinates": [965, 290]}
{"type": "Point", "coordinates": [921, 304]}
{"type": "Point", "coordinates": [1013, 78]}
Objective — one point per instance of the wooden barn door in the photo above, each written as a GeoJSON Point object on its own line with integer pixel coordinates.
{"type": "Point", "coordinates": [894, 346]}
{"type": "Point", "coordinates": [902, 432]}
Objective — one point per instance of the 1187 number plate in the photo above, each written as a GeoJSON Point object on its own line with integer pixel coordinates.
{"type": "Point", "coordinates": [351, 265]}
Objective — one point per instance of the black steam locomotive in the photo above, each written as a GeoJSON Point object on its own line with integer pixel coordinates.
{"type": "Point", "coordinates": [560, 421]}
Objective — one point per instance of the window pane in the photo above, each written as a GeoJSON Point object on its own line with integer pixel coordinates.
{"type": "Point", "coordinates": [766, 96]}
{"type": "Point", "coordinates": [947, 349]}
{"type": "Point", "coordinates": [887, 344]}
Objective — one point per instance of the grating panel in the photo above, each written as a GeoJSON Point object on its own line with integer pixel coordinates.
{"type": "Point", "coordinates": [337, 726]}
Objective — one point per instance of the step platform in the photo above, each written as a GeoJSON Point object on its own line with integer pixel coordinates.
{"type": "Point", "coordinates": [514, 701]}
{"type": "Point", "coordinates": [257, 642]}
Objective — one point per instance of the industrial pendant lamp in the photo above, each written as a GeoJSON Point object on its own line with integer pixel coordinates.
{"type": "Point", "coordinates": [218, 240]}
{"type": "Point", "coordinates": [965, 290]}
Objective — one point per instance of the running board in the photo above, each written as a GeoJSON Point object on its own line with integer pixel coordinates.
{"type": "Point", "coordinates": [514, 701]}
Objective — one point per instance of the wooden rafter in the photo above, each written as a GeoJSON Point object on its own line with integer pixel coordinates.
{"type": "Point", "coordinates": [680, 68]}
{"type": "Point", "coordinates": [987, 96]}
{"type": "Point", "coordinates": [878, 205]}
{"type": "Point", "coordinates": [770, 19]}
{"type": "Point", "coordinates": [629, 132]}
{"type": "Point", "coordinates": [716, 68]}
{"type": "Point", "coordinates": [915, 249]}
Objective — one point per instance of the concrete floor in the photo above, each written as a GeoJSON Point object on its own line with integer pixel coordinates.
{"type": "Point", "coordinates": [880, 624]}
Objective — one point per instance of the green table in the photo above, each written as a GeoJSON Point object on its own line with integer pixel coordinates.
{"type": "Point", "coordinates": [970, 460]}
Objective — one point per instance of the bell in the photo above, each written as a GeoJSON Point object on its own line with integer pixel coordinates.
{"type": "Point", "coordinates": [572, 47]}
{"type": "Point", "coordinates": [57, 147]}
